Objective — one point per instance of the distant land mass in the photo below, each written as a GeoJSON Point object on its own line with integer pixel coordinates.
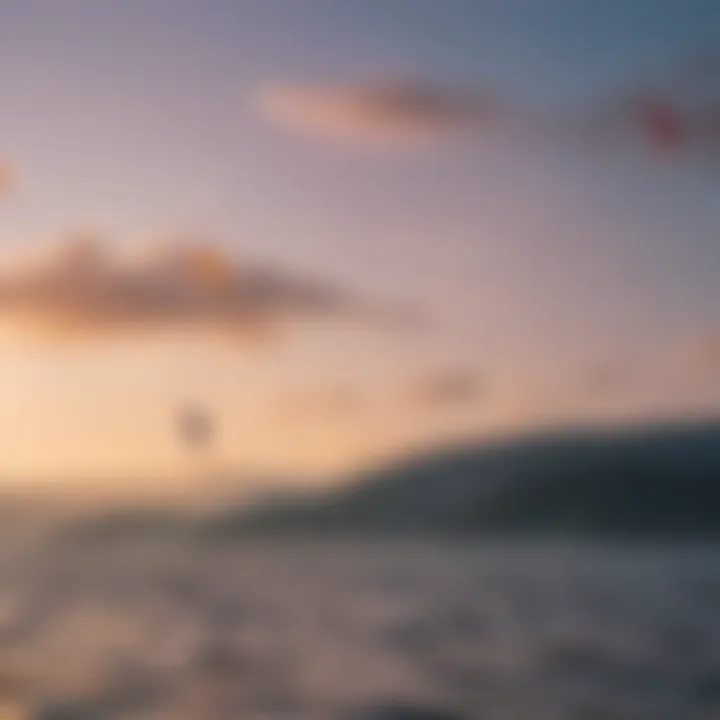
{"type": "Point", "coordinates": [650, 480]}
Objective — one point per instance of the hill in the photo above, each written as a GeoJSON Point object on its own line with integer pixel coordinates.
{"type": "Point", "coordinates": [662, 480]}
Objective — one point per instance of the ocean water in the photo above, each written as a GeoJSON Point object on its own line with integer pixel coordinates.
{"type": "Point", "coordinates": [169, 629]}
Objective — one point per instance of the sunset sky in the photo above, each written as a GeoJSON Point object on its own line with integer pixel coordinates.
{"type": "Point", "coordinates": [474, 164]}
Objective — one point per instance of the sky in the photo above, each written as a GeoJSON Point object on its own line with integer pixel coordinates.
{"type": "Point", "coordinates": [516, 176]}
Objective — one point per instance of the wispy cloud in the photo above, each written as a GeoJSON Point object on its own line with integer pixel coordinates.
{"type": "Point", "coordinates": [333, 403]}
{"type": "Point", "coordinates": [448, 388]}
{"type": "Point", "coordinates": [612, 378]}
{"type": "Point", "coordinates": [386, 113]}
{"type": "Point", "coordinates": [701, 355]}
{"type": "Point", "coordinates": [675, 112]}
{"type": "Point", "coordinates": [83, 288]}
{"type": "Point", "coordinates": [8, 178]}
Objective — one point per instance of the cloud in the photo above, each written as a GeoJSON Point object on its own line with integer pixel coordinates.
{"type": "Point", "coordinates": [702, 355]}
{"type": "Point", "coordinates": [610, 378]}
{"type": "Point", "coordinates": [387, 113]}
{"type": "Point", "coordinates": [675, 113]}
{"type": "Point", "coordinates": [83, 288]}
{"type": "Point", "coordinates": [8, 178]}
{"type": "Point", "coordinates": [449, 388]}
{"type": "Point", "coordinates": [334, 403]}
